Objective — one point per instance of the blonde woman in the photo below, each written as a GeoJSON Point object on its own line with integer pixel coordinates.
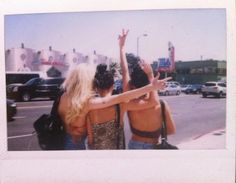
{"type": "Point", "coordinates": [79, 98]}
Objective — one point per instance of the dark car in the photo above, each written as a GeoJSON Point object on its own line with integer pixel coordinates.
{"type": "Point", "coordinates": [11, 109]}
{"type": "Point", "coordinates": [35, 88]}
{"type": "Point", "coordinates": [194, 88]}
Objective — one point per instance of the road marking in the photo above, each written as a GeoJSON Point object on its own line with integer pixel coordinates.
{"type": "Point", "coordinates": [19, 117]}
{"type": "Point", "coordinates": [20, 136]}
{"type": "Point", "coordinates": [174, 96]}
{"type": "Point", "coordinates": [35, 107]}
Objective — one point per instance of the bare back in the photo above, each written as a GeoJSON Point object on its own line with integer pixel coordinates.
{"type": "Point", "coordinates": [150, 120]}
{"type": "Point", "coordinates": [147, 119]}
{"type": "Point", "coordinates": [78, 127]}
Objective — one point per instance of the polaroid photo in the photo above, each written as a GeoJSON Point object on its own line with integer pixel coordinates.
{"type": "Point", "coordinates": [192, 42]}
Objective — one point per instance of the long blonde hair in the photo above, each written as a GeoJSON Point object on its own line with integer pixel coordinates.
{"type": "Point", "coordinates": [79, 88]}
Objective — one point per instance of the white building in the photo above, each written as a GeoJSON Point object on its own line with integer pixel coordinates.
{"type": "Point", "coordinates": [74, 58]}
{"type": "Point", "coordinates": [51, 62]}
{"type": "Point", "coordinates": [20, 59]}
{"type": "Point", "coordinates": [102, 59]}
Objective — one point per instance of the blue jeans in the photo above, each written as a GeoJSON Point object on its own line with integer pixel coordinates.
{"type": "Point", "coordinates": [70, 145]}
{"type": "Point", "coordinates": [139, 145]}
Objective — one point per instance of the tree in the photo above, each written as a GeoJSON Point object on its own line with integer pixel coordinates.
{"type": "Point", "coordinates": [115, 68]}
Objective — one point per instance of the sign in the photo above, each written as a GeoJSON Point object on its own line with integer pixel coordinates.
{"type": "Point", "coordinates": [171, 50]}
{"type": "Point", "coordinates": [164, 64]}
{"type": "Point", "coordinates": [168, 64]}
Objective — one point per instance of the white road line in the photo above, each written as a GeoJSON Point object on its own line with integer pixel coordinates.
{"type": "Point", "coordinates": [35, 107]}
{"type": "Point", "coordinates": [19, 117]}
{"type": "Point", "coordinates": [174, 96]}
{"type": "Point", "coordinates": [20, 136]}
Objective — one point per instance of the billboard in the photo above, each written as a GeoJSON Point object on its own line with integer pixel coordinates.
{"type": "Point", "coordinates": [164, 64]}
{"type": "Point", "coordinates": [167, 64]}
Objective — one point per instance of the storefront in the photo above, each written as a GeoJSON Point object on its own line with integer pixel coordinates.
{"type": "Point", "coordinates": [198, 72]}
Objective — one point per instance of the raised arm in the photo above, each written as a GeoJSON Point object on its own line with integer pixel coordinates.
{"type": "Point", "coordinates": [123, 60]}
{"type": "Point", "coordinates": [152, 100]}
{"type": "Point", "coordinates": [98, 103]}
{"type": "Point", "coordinates": [148, 70]}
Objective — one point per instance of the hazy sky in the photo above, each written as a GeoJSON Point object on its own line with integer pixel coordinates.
{"type": "Point", "coordinates": [192, 32]}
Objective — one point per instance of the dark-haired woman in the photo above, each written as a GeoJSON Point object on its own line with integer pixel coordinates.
{"type": "Point", "coordinates": [105, 130]}
{"type": "Point", "coordinates": [145, 124]}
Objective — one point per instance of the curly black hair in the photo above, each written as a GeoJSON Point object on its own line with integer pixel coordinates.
{"type": "Point", "coordinates": [138, 77]}
{"type": "Point", "coordinates": [104, 79]}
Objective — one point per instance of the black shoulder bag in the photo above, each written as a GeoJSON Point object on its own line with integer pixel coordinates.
{"type": "Point", "coordinates": [164, 143]}
{"type": "Point", "coordinates": [50, 130]}
{"type": "Point", "coordinates": [120, 133]}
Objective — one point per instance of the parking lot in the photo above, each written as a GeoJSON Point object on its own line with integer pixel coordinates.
{"type": "Point", "coordinates": [193, 116]}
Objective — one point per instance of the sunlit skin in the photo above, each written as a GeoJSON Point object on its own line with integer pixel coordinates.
{"type": "Point", "coordinates": [77, 128]}
{"type": "Point", "coordinates": [109, 113]}
{"type": "Point", "coordinates": [148, 119]}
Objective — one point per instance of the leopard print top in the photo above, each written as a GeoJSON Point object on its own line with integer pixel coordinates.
{"type": "Point", "coordinates": [107, 134]}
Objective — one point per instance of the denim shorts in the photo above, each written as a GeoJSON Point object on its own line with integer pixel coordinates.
{"type": "Point", "coordinates": [70, 145]}
{"type": "Point", "coordinates": [139, 145]}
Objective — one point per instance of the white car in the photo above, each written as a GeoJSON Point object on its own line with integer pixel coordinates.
{"type": "Point", "coordinates": [173, 82]}
{"type": "Point", "coordinates": [170, 89]}
{"type": "Point", "coordinates": [218, 89]}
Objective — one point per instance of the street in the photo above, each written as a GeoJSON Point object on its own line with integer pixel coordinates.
{"type": "Point", "coordinates": [193, 116]}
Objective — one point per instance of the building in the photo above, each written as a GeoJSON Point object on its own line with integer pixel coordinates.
{"type": "Point", "coordinates": [101, 59]}
{"type": "Point", "coordinates": [52, 63]}
{"type": "Point", "coordinates": [20, 59]}
{"type": "Point", "coordinates": [199, 72]}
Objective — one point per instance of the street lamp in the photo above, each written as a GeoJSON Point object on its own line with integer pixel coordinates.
{"type": "Point", "coordinates": [142, 35]}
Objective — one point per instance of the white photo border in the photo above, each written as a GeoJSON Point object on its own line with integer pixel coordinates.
{"type": "Point", "coordinates": [121, 166]}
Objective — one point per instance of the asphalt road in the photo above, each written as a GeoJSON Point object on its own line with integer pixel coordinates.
{"type": "Point", "coordinates": [193, 116]}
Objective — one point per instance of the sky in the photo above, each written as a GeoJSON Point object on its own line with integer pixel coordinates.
{"type": "Point", "coordinates": [195, 33]}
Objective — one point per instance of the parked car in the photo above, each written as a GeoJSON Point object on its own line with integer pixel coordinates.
{"type": "Point", "coordinates": [173, 82]}
{"type": "Point", "coordinates": [170, 89]}
{"type": "Point", "coordinates": [218, 89]}
{"type": "Point", "coordinates": [21, 77]}
{"type": "Point", "coordinates": [11, 109]}
{"type": "Point", "coordinates": [34, 88]}
{"type": "Point", "coordinates": [194, 88]}
{"type": "Point", "coordinates": [184, 87]}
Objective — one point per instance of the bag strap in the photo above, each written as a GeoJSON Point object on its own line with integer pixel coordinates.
{"type": "Point", "coordinates": [57, 122]}
{"type": "Point", "coordinates": [118, 125]}
{"type": "Point", "coordinates": [56, 104]}
{"type": "Point", "coordinates": [163, 127]}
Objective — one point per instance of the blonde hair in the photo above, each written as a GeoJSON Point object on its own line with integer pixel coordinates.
{"type": "Point", "coordinates": [79, 87]}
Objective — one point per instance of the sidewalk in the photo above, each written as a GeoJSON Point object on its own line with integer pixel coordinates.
{"type": "Point", "coordinates": [212, 140]}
